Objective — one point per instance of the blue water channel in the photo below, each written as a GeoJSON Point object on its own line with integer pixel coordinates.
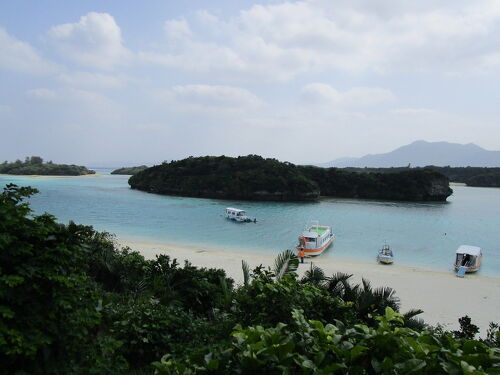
{"type": "Point", "coordinates": [423, 235]}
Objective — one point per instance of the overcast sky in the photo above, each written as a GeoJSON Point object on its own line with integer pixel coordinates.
{"type": "Point", "coordinates": [125, 82]}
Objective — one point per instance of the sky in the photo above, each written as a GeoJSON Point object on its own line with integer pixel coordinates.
{"type": "Point", "coordinates": [115, 83]}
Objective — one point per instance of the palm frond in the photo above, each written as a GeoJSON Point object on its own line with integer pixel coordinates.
{"type": "Point", "coordinates": [337, 283]}
{"type": "Point", "coordinates": [285, 263]}
{"type": "Point", "coordinates": [227, 296]}
{"type": "Point", "coordinates": [412, 322]}
{"type": "Point", "coordinates": [338, 278]}
{"type": "Point", "coordinates": [140, 289]}
{"type": "Point", "coordinates": [387, 297]}
{"type": "Point", "coordinates": [410, 314]}
{"type": "Point", "coordinates": [366, 285]}
{"type": "Point", "coordinates": [246, 272]}
{"type": "Point", "coordinates": [314, 275]}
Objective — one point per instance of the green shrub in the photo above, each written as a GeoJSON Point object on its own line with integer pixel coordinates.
{"type": "Point", "coordinates": [47, 302]}
{"type": "Point", "coordinates": [310, 347]}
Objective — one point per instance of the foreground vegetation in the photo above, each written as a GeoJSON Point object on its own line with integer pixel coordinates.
{"type": "Point", "coordinates": [129, 170]}
{"type": "Point", "coordinates": [71, 302]}
{"type": "Point", "coordinates": [34, 165]}
{"type": "Point", "coordinates": [255, 178]}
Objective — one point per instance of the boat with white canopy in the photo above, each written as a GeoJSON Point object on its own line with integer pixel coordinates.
{"type": "Point", "coordinates": [238, 215]}
{"type": "Point", "coordinates": [469, 257]}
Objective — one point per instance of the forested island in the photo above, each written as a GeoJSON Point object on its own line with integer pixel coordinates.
{"type": "Point", "coordinates": [73, 302]}
{"type": "Point", "coordinates": [34, 165]}
{"type": "Point", "coordinates": [246, 177]}
{"type": "Point", "coordinates": [471, 176]}
{"type": "Point", "coordinates": [129, 170]}
{"type": "Point", "coordinates": [407, 185]}
{"type": "Point", "coordinates": [255, 178]}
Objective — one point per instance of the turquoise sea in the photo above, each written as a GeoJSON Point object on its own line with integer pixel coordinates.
{"type": "Point", "coordinates": [423, 235]}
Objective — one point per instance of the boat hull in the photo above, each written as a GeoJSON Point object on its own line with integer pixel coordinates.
{"type": "Point", "coordinates": [385, 260]}
{"type": "Point", "coordinates": [241, 220]}
{"type": "Point", "coordinates": [317, 251]}
{"type": "Point", "coordinates": [470, 269]}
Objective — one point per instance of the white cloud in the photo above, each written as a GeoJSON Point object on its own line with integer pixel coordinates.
{"type": "Point", "coordinates": [321, 93]}
{"type": "Point", "coordinates": [19, 56]}
{"type": "Point", "coordinates": [414, 112]}
{"type": "Point", "coordinates": [43, 94]}
{"type": "Point", "coordinates": [177, 29]}
{"type": "Point", "coordinates": [279, 41]}
{"type": "Point", "coordinates": [199, 58]}
{"type": "Point", "coordinates": [95, 40]}
{"type": "Point", "coordinates": [77, 102]}
{"type": "Point", "coordinates": [210, 98]}
{"type": "Point", "coordinates": [97, 80]}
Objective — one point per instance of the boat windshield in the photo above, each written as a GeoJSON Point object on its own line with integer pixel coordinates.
{"type": "Point", "coordinates": [386, 251]}
{"type": "Point", "coordinates": [466, 260]}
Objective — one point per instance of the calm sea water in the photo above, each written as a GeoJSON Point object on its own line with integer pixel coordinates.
{"type": "Point", "coordinates": [421, 234]}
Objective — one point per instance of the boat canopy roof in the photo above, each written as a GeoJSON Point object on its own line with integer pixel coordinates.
{"type": "Point", "coordinates": [310, 233]}
{"type": "Point", "coordinates": [234, 209]}
{"type": "Point", "coordinates": [467, 249]}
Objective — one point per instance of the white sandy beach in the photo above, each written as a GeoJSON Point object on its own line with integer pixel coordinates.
{"type": "Point", "coordinates": [443, 296]}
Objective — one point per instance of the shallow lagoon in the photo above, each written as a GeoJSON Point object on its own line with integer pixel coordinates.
{"type": "Point", "coordinates": [424, 235]}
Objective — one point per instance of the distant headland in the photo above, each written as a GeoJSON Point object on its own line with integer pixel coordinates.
{"type": "Point", "coordinates": [129, 170]}
{"type": "Point", "coordinates": [422, 153]}
{"type": "Point", "coordinates": [35, 165]}
{"type": "Point", "coordinates": [253, 177]}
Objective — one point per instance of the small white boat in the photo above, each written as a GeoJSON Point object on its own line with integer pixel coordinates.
{"type": "Point", "coordinates": [385, 255]}
{"type": "Point", "coordinates": [469, 257]}
{"type": "Point", "coordinates": [315, 239]}
{"type": "Point", "coordinates": [238, 215]}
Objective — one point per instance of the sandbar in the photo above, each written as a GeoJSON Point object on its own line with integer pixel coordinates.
{"type": "Point", "coordinates": [443, 296]}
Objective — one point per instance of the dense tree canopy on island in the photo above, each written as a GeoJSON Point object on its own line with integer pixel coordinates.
{"type": "Point", "coordinates": [471, 176]}
{"type": "Point", "coordinates": [34, 165]}
{"type": "Point", "coordinates": [255, 178]}
{"type": "Point", "coordinates": [244, 177]}
{"type": "Point", "coordinates": [405, 185]}
{"type": "Point", "coordinates": [72, 302]}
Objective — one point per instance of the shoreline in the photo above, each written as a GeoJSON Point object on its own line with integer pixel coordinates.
{"type": "Point", "coordinates": [444, 297]}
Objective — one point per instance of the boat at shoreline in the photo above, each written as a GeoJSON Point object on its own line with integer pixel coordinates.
{"type": "Point", "coordinates": [468, 259]}
{"type": "Point", "coordinates": [315, 239]}
{"type": "Point", "coordinates": [385, 255]}
{"type": "Point", "coordinates": [235, 214]}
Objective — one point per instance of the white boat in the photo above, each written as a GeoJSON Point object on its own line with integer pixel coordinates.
{"type": "Point", "coordinates": [385, 255]}
{"type": "Point", "coordinates": [469, 257]}
{"type": "Point", "coordinates": [238, 215]}
{"type": "Point", "coordinates": [315, 239]}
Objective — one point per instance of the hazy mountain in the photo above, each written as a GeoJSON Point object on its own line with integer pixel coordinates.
{"type": "Point", "coordinates": [422, 153]}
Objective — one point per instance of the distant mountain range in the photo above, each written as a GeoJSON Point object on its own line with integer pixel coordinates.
{"type": "Point", "coordinates": [422, 153]}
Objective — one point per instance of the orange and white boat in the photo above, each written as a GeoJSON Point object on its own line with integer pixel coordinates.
{"type": "Point", "coordinates": [315, 239]}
